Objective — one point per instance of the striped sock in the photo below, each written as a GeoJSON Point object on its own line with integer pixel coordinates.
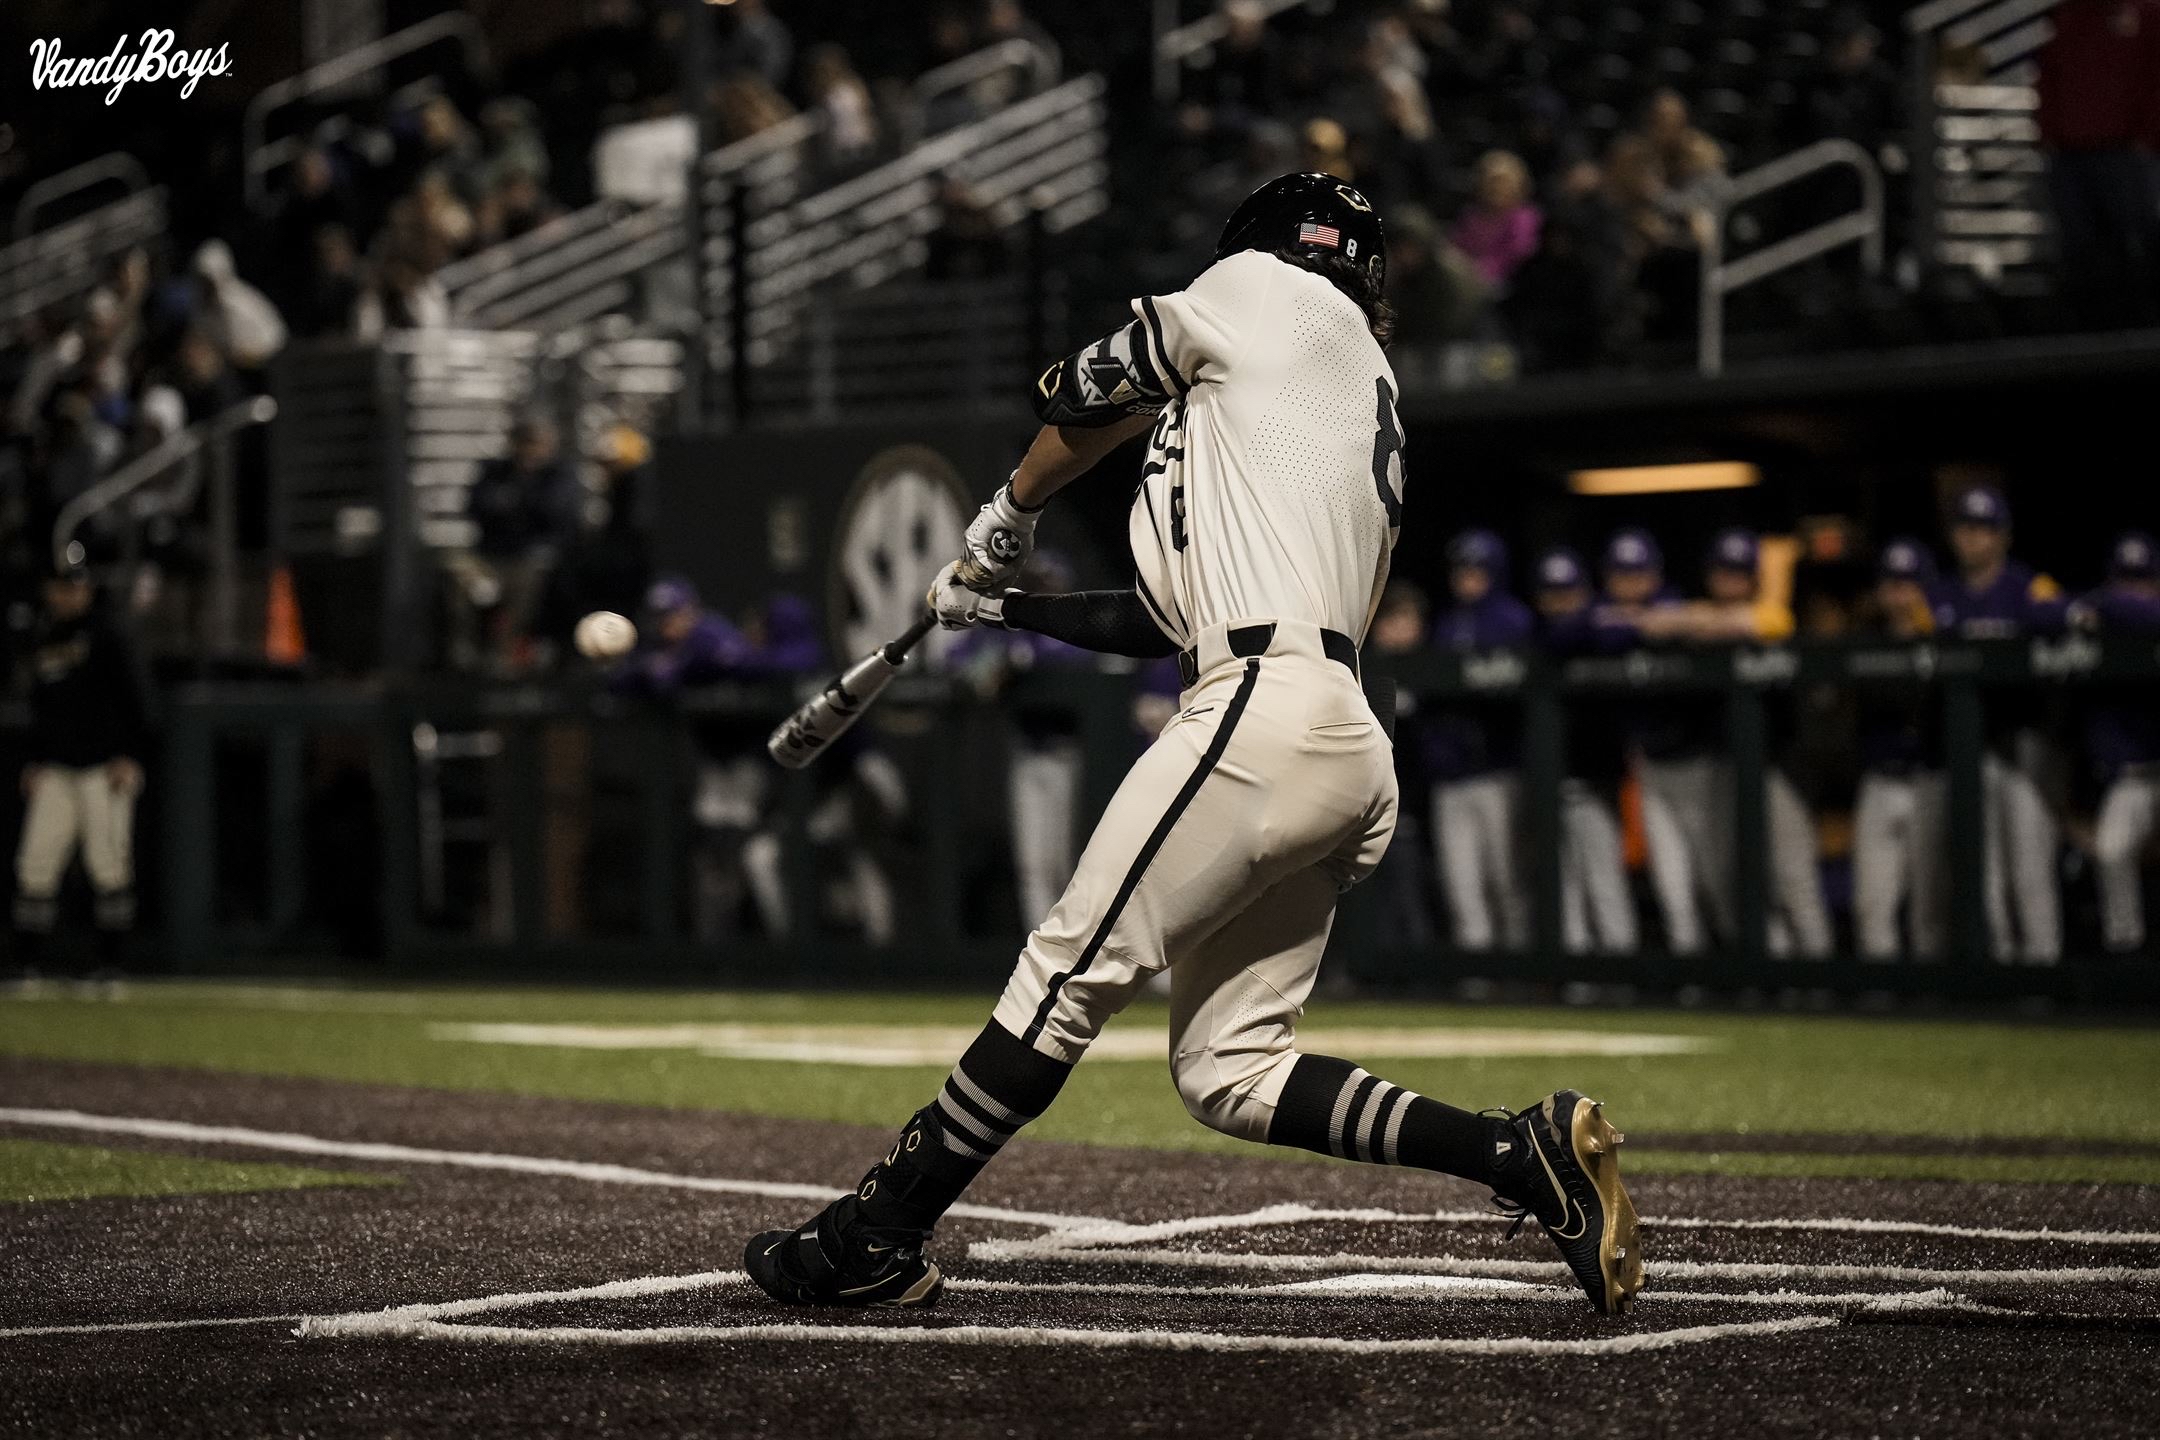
{"type": "Point", "coordinates": [1334, 1108]}
{"type": "Point", "coordinates": [999, 1085]}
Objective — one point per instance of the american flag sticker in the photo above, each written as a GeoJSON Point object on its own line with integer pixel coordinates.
{"type": "Point", "coordinates": [1311, 234]}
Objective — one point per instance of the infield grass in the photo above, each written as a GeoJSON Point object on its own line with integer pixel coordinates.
{"type": "Point", "coordinates": [1759, 1075]}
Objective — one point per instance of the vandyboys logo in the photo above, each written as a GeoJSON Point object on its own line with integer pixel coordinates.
{"type": "Point", "coordinates": [151, 58]}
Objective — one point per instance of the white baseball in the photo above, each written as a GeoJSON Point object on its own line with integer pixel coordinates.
{"type": "Point", "coordinates": [604, 635]}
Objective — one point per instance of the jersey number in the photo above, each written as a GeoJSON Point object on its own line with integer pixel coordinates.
{"type": "Point", "coordinates": [1387, 446]}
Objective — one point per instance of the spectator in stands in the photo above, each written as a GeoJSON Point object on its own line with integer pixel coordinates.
{"type": "Point", "coordinates": [238, 318]}
{"type": "Point", "coordinates": [755, 41]}
{"type": "Point", "coordinates": [1898, 817]}
{"type": "Point", "coordinates": [1647, 231]}
{"type": "Point", "coordinates": [1569, 306]}
{"type": "Point", "coordinates": [2122, 743]}
{"type": "Point", "coordinates": [1676, 145]}
{"type": "Point", "coordinates": [1325, 149]}
{"type": "Point", "coordinates": [1243, 85]}
{"type": "Point", "coordinates": [510, 144]}
{"type": "Point", "coordinates": [850, 136]}
{"type": "Point", "coordinates": [968, 243]}
{"type": "Point", "coordinates": [1474, 752]}
{"type": "Point", "coordinates": [1499, 230]}
{"type": "Point", "coordinates": [744, 104]}
{"type": "Point", "coordinates": [2100, 120]}
{"type": "Point", "coordinates": [1597, 912]}
{"type": "Point", "coordinates": [401, 296]}
{"type": "Point", "coordinates": [1436, 290]}
{"type": "Point", "coordinates": [1855, 96]}
{"type": "Point", "coordinates": [202, 376]}
{"type": "Point", "coordinates": [526, 508]}
{"type": "Point", "coordinates": [326, 302]}
{"type": "Point", "coordinates": [517, 206]}
{"type": "Point", "coordinates": [1994, 597]}
{"type": "Point", "coordinates": [447, 149]}
{"type": "Point", "coordinates": [315, 195]}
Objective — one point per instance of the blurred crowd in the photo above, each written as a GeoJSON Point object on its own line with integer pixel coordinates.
{"type": "Point", "coordinates": [1854, 797]}
{"type": "Point", "coordinates": [387, 192]}
{"type": "Point", "coordinates": [154, 349]}
{"type": "Point", "coordinates": [1546, 168]}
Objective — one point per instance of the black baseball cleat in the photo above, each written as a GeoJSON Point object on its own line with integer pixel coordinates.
{"type": "Point", "coordinates": [836, 1259]}
{"type": "Point", "coordinates": [1569, 1180]}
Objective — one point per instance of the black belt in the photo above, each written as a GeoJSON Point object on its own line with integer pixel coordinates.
{"type": "Point", "coordinates": [1247, 641]}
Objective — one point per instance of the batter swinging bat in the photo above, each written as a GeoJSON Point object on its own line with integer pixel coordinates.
{"type": "Point", "coordinates": [803, 736]}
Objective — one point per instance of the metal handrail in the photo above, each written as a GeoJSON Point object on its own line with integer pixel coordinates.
{"type": "Point", "coordinates": [1175, 47]}
{"type": "Point", "coordinates": [117, 165]}
{"type": "Point", "coordinates": [372, 56]}
{"type": "Point", "coordinates": [1720, 279]}
{"type": "Point", "coordinates": [144, 468]}
{"type": "Point", "coordinates": [958, 74]}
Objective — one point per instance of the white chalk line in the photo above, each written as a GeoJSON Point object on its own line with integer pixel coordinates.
{"type": "Point", "coordinates": [127, 1327]}
{"type": "Point", "coordinates": [995, 1251]}
{"type": "Point", "coordinates": [386, 1326]}
{"type": "Point", "coordinates": [1119, 1233]}
{"type": "Point", "coordinates": [1068, 1231]}
{"type": "Point", "coordinates": [598, 1173]}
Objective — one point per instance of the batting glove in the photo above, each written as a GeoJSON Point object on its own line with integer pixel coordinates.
{"type": "Point", "coordinates": [1000, 540]}
{"type": "Point", "coordinates": [957, 606]}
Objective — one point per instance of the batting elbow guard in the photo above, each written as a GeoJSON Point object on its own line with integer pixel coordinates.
{"type": "Point", "coordinates": [1102, 384]}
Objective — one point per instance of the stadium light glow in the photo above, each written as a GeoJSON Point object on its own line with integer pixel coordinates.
{"type": "Point", "coordinates": [1666, 479]}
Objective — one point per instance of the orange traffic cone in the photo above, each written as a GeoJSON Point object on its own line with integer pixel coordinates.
{"type": "Point", "coordinates": [284, 643]}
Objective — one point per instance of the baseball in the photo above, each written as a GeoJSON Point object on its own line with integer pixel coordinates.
{"type": "Point", "coordinates": [605, 635]}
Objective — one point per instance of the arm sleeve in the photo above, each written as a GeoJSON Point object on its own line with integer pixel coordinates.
{"type": "Point", "coordinates": [1109, 622]}
{"type": "Point", "coordinates": [1103, 383]}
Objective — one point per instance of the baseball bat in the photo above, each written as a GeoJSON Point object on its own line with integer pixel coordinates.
{"type": "Point", "coordinates": [803, 736]}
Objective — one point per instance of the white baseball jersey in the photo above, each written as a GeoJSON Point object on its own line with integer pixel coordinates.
{"type": "Point", "coordinates": [1274, 478]}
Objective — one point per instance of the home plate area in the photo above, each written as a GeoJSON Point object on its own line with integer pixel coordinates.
{"type": "Point", "coordinates": [542, 1266]}
{"type": "Point", "coordinates": [1298, 1279]}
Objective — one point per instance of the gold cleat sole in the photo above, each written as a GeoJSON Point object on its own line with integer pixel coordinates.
{"type": "Point", "coordinates": [923, 1292]}
{"type": "Point", "coordinates": [1597, 1146]}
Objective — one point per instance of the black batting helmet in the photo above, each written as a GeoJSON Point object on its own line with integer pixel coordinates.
{"type": "Point", "coordinates": [1314, 214]}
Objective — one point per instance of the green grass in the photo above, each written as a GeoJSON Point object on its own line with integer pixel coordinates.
{"type": "Point", "coordinates": [1766, 1073]}
{"type": "Point", "coordinates": [34, 1170]}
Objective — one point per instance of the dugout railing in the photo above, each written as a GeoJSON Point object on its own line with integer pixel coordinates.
{"type": "Point", "coordinates": [583, 832]}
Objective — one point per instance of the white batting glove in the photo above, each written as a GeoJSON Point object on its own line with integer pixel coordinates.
{"type": "Point", "coordinates": [999, 540]}
{"type": "Point", "coordinates": [957, 606]}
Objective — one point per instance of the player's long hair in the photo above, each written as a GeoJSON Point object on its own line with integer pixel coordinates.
{"type": "Point", "coordinates": [1353, 282]}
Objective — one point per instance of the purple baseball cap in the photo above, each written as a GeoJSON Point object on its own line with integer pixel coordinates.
{"type": "Point", "coordinates": [1560, 569]}
{"type": "Point", "coordinates": [669, 594]}
{"type": "Point", "coordinates": [1633, 551]}
{"type": "Point", "coordinates": [1981, 505]}
{"type": "Point", "coordinates": [2133, 557]}
{"type": "Point", "coordinates": [1906, 559]}
{"type": "Point", "coordinates": [1734, 549]}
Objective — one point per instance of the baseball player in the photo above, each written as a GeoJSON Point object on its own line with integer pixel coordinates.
{"type": "Point", "coordinates": [1597, 912]}
{"type": "Point", "coordinates": [2122, 743]}
{"type": "Point", "coordinates": [89, 721]}
{"type": "Point", "coordinates": [1261, 533]}
{"type": "Point", "coordinates": [1694, 785]}
{"type": "Point", "coordinates": [1473, 752]}
{"type": "Point", "coordinates": [1676, 739]}
{"type": "Point", "coordinates": [1898, 815]}
{"type": "Point", "coordinates": [1994, 597]}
